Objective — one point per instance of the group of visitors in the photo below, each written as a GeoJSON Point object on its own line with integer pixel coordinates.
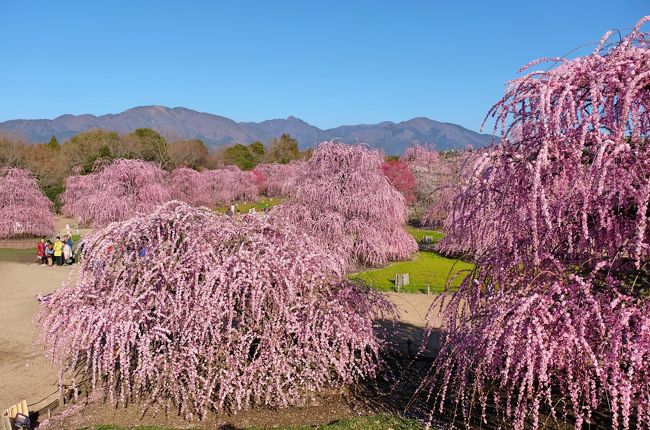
{"type": "Point", "coordinates": [57, 252]}
{"type": "Point", "coordinates": [233, 209]}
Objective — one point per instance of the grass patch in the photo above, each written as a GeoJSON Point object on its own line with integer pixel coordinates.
{"type": "Point", "coordinates": [258, 205]}
{"type": "Point", "coordinates": [419, 233]}
{"type": "Point", "coordinates": [18, 255]}
{"type": "Point", "coordinates": [425, 268]}
{"type": "Point", "coordinates": [378, 422]}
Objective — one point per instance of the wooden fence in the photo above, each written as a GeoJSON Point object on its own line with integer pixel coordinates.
{"type": "Point", "coordinates": [9, 415]}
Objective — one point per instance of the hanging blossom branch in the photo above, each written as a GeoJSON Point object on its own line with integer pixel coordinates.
{"type": "Point", "coordinates": [556, 216]}
{"type": "Point", "coordinates": [345, 200]}
{"type": "Point", "coordinates": [115, 191]}
{"type": "Point", "coordinates": [259, 317]}
{"type": "Point", "coordinates": [575, 139]}
{"type": "Point", "coordinates": [24, 209]}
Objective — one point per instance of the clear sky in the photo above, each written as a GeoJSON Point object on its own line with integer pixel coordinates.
{"type": "Point", "coordinates": [326, 62]}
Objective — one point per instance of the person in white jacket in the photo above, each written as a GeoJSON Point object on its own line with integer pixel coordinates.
{"type": "Point", "coordinates": [67, 253]}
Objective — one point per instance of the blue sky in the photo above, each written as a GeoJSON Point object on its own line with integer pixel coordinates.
{"type": "Point", "coordinates": [327, 62]}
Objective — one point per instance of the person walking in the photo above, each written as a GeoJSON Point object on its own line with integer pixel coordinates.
{"type": "Point", "coordinates": [58, 251]}
{"type": "Point", "coordinates": [40, 252]}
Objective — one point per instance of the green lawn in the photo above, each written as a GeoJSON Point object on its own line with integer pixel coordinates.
{"type": "Point", "coordinates": [258, 205]}
{"type": "Point", "coordinates": [419, 233]}
{"type": "Point", "coordinates": [425, 268]}
{"type": "Point", "coordinates": [379, 422]}
{"type": "Point", "coordinates": [18, 255]}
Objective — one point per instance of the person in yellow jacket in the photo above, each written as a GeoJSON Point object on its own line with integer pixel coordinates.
{"type": "Point", "coordinates": [58, 251]}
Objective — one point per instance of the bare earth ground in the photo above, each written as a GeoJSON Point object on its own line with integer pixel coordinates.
{"type": "Point", "coordinates": [26, 374]}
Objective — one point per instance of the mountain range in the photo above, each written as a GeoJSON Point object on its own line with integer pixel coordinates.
{"type": "Point", "coordinates": [215, 130]}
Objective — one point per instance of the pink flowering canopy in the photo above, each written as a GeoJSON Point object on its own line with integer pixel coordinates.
{"type": "Point", "coordinates": [115, 191]}
{"type": "Point", "coordinates": [189, 186]}
{"type": "Point", "coordinates": [229, 184]}
{"type": "Point", "coordinates": [188, 310]}
{"type": "Point", "coordinates": [437, 180]}
{"type": "Point", "coordinates": [24, 209]}
{"type": "Point", "coordinates": [259, 179]}
{"type": "Point", "coordinates": [556, 317]}
{"type": "Point", "coordinates": [280, 179]}
{"type": "Point", "coordinates": [399, 175]}
{"type": "Point", "coordinates": [345, 200]}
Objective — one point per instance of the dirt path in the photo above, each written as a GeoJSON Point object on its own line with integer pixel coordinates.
{"type": "Point", "coordinates": [410, 334]}
{"type": "Point", "coordinates": [24, 372]}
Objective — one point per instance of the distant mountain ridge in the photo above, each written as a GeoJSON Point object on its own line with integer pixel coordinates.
{"type": "Point", "coordinates": [215, 130]}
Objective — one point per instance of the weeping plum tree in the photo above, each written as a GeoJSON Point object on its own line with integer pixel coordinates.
{"type": "Point", "coordinates": [345, 200]}
{"type": "Point", "coordinates": [260, 317]}
{"type": "Point", "coordinates": [555, 318]}
{"type": "Point", "coordinates": [280, 179]}
{"type": "Point", "coordinates": [399, 175]}
{"type": "Point", "coordinates": [230, 184]}
{"type": "Point", "coordinates": [24, 209]}
{"type": "Point", "coordinates": [437, 181]}
{"type": "Point", "coordinates": [189, 186]}
{"type": "Point", "coordinates": [260, 180]}
{"type": "Point", "coordinates": [115, 191]}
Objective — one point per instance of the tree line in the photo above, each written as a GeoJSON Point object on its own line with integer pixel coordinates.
{"type": "Point", "coordinates": [53, 162]}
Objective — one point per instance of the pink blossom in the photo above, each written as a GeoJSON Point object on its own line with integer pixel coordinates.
{"type": "Point", "coordinates": [555, 317]}
{"type": "Point", "coordinates": [198, 312]}
{"type": "Point", "coordinates": [24, 210]}
{"type": "Point", "coordinates": [115, 191]}
{"type": "Point", "coordinates": [345, 200]}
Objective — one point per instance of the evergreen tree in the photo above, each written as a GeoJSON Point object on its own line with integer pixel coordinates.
{"type": "Point", "coordinates": [53, 144]}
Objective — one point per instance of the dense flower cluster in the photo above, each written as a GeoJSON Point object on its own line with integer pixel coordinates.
{"type": "Point", "coordinates": [230, 184]}
{"type": "Point", "coordinates": [573, 167]}
{"type": "Point", "coordinates": [261, 316]}
{"type": "Point", "coordinates": [344, 199]}
{"type": "Point", "coordinates": [400, 177]}
{"type": "Point", "coordinates": [115, 191]}
{"type": "Point", "coordinates": [259, 179]}
{"type": "Point", "coordinates": [24, 210]}
{"type": "Point", "coordinates": [556, 216]}
{"type": "Point", "coordinates": [280, 179]}
{"type": "Point", "coordinates": [523, 349]}
{"type": "Point", "coordinates": [188, 185]}
{"type": "Point", "coordinates": [437, 180]}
